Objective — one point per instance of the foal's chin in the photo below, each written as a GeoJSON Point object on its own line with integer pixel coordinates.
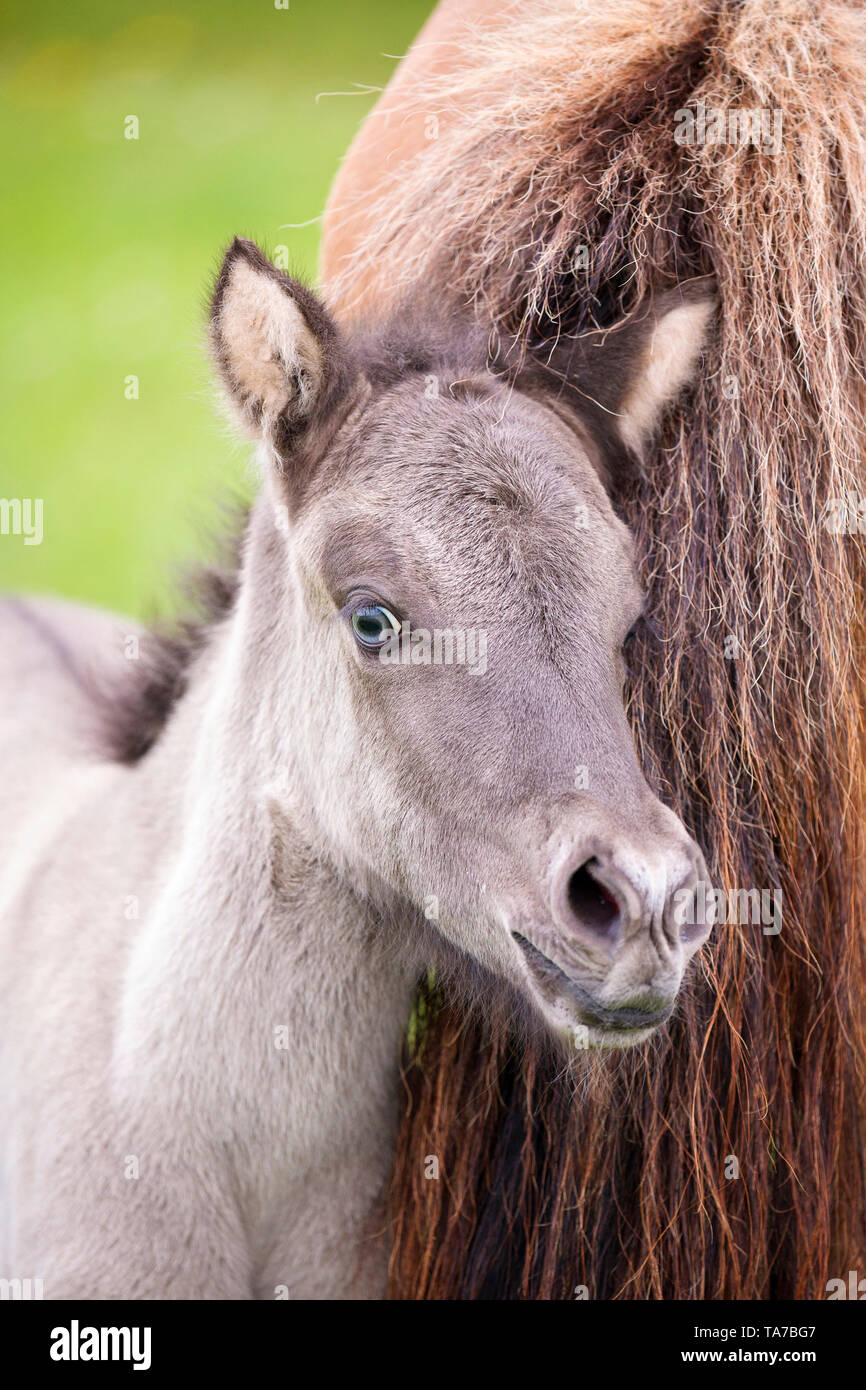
{"type": "Point", "coordinates": [575, 1012]}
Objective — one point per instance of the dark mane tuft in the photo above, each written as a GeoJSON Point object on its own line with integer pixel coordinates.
{"type": "Point", "coordinates": [134, 708]}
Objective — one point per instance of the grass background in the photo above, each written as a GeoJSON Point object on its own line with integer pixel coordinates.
{"type": "Point", "coordinates": [111, 245]}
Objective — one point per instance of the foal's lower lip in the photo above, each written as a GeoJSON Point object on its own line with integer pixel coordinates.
{"type": "Point", "coordinates": [593, 1013]}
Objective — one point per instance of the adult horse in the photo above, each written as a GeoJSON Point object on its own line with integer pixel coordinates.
{"type": "Point", "coordinates": [548, 164]}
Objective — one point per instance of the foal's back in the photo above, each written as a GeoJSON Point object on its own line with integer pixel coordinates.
{"type": "Point", "coordinates": [48, 650]}
{"type": "Point", "coordinates": [50, 653]}
{"type": "Point", "coordinates": [61, 956]}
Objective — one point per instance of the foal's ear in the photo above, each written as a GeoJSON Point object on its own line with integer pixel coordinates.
{"type": "Point", "coordinates": [279, 353]}
{"type": "Point", "coordinates": [622, 378]}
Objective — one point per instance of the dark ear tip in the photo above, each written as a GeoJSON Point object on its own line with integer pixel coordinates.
{"type": "Point", "coordinates": [702, 290]}
{"type": "Point", "coordinates": [242, 248]}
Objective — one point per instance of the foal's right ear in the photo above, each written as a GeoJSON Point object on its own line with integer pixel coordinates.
{"type": "Point", "coordinates": [279, 353]}
{"type": "Point", "coordinates": [620, 380]}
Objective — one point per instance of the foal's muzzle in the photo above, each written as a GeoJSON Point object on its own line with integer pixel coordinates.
{"type": "Point", "coordinates": [621, 925]}
{"type": "Point", "coordinates": [618, 892]}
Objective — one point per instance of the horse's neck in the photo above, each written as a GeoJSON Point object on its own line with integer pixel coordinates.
{"type": "Point", "coordinates": [262, 990]}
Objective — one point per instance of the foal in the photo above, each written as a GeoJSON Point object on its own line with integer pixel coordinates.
{"type": "Point", "coordinates": [209, 948]}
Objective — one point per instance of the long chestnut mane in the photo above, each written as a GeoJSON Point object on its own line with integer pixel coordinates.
{"type": "Point", "coordinates": [726, 1159]}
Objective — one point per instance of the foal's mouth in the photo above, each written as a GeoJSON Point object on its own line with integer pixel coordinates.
{"type": "Point", "coordinates": [554, 984]}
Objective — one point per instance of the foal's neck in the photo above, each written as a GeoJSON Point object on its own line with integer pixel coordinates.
{"type": "Point", "coordinates": [285, 992]}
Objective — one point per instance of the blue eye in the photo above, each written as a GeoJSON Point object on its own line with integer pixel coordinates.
{"type": "Point", "coordinates": [374, 625]}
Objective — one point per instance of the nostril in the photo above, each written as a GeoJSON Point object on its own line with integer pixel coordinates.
{"type": "Point", "coordinates": [590, 901]}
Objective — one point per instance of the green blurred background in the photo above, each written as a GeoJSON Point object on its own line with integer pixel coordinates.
{"type": "Point", "coordinates": [111, 244]}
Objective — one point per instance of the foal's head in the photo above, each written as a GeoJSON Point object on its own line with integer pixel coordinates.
{"type": "Point", "coordinates": [450, 591]}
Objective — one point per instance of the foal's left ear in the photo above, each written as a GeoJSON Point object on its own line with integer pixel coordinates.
{"type": "Point", "coordinates": [279, 352]}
